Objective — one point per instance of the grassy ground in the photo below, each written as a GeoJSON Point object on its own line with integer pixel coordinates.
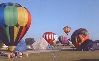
{"type": "Point", "coordinates": [63, 55]}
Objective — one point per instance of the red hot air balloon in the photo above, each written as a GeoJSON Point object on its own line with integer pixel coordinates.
{"type": "Point", "coordinates": [49, 37]}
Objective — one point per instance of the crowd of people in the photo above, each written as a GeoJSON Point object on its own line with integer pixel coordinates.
{"type": "Point", "coordinates": [16, 54]}
{"type": "Point", "coordinates": [3, 54]}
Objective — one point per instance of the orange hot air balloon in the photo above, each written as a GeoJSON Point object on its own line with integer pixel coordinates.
{"type": "Point", "coordinates": [67, 29]}
{"type": "Point", "coordinates": [79, 36]}
{"type": "Point", "coordinates": [49, 37]}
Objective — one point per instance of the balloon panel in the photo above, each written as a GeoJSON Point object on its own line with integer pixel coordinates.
{"type": "Point", "coordinates": [60, 38]}
{"type": "Point", "coordinates": [79, 36]}
{"type": "Point", "coordinates": [56, 38]}
{"type": "Point", "coordinates": [64, 40]}
{"type": "Point", "coordinates": [15, 21]}
{"type": "Point", "coordinates": [21, 46]}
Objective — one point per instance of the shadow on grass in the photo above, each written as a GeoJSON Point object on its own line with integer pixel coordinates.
{"type": "Point", "coordinates": [88, 60]}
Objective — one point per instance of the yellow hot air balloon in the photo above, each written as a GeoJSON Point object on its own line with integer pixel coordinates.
{"type": "Point", "coordinates": [67, 29]}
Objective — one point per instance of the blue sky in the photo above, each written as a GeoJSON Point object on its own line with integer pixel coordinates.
{"type": "Point", "coordinates": [53, 15]}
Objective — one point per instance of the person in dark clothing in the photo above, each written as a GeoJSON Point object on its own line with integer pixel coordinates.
{"type": "Point", "coordinates": [16, 54]}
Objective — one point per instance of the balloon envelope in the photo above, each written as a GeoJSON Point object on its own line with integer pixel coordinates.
{"type": "Point", "coordinates": [15, 21]}
{"type": "Point", "coordinates": [49, 37]}
{"type": "Point", "coordinates": [55, 40]}
{"type": "Point", "coordinates": [21, 46]}
{"type": "Point", "coordinates": [67, 29]}
{"type": "Point", "coordinates": [79, 36]}
{"type": "Point", "coordinates": [89, 45]}
{"type": "Point", "coordinates": [63, 39]}
{"type": "Point", "coordinates": [60, 38]}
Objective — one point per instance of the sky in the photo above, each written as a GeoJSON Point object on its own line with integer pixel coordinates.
{"type": "Point", "coordinates": [53, 15]}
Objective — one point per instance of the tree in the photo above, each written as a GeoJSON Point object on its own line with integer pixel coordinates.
{"type": "Point", "coordinates": [29, 41]}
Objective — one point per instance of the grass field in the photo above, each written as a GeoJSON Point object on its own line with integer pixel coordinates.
{"type": "Point", "coordinates": [62, 55]}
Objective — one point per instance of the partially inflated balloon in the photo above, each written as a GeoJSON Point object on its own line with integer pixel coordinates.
{"type": "Point", "coordinates": [15, 21]}
{"type": "Point", "coordinates": [60, 38]}
{"type": "Point", "coordinates": [67, 29]}
{"type": "Point", "coordinates": [63, 39]}
{"type": "Point", "coordinates": [49, 37]}
{"type": "Point", "coordinates": [55, 40]}
{"type": "Point", "coordinates": [79, 36]}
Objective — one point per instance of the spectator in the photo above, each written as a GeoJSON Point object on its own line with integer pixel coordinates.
{"type": "Point", "coordinates": [12, 55]}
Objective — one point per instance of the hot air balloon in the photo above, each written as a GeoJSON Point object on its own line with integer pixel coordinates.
{"type": "Point", "coordinates": [49, 37]}
{"type": "Point", "coordinates": [89, 45]}
{"type": "Point", "coordinates": [15, 21]}
{"type": "Point", "coordinates": [55, 40]}
{"type": "Point", "coordinates": [67, 29]}
{"type": "Point", "coordinates": [63, 39]}
{"type": "Point", "coordinates": [79, 36]}
{"type": "Point", "coordinates": [60, 38]}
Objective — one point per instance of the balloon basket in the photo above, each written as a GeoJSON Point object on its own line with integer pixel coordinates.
{"type": "Point", "coordinates": [11, 48]}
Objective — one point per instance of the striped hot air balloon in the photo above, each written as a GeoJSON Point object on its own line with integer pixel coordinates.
{"type": "Point", "coordinates": [63, 39]}
{"type": "Point", "coordinates": [49, 37]}
{"type": "Point", "coordinates": [15, 21]}
{"type": "Point", "coordinates": [67, 29]}
{"type": "Point", "coordinates": [79, 36]}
